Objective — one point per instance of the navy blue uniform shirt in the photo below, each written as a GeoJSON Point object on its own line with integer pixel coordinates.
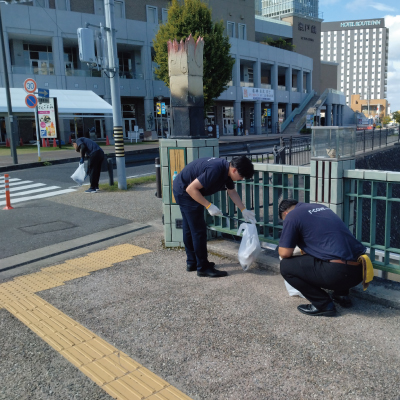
{"type": "Point", "coordinates": [212, 173]}
{"type": "Point", "coordinates": [90, 145]}
{"type": "Point", "coordinates": [318, 231]}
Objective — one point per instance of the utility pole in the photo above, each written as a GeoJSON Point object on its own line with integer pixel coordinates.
{"type": "Point", "coordinates": [115, 93]}
{"type": "Point", "coordinates": [10, 118]}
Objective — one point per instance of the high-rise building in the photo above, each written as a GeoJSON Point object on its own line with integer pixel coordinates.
{"type": "Point", "coordinates": [283, 8]}
{"type": "Point", "coordinates": [361, 50]}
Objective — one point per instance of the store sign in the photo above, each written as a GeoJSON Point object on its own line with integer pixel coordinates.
{"type": "Point", "coordinates": [47, 118]}
{"type": "Point", "coordinates": [360, 23]}
{"type": "Point", "coordinates": [257, 94]}
{"type": "Point", "coordinates": [307, 28]}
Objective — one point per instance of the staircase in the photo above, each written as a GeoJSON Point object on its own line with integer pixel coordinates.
{"type": "Point", "coordinates": [291, 128]}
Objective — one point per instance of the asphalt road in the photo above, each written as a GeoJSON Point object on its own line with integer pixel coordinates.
{"type": "Point", "coordinates": [60, 175]}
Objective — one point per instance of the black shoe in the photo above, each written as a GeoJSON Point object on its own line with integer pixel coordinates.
{"type": "Point", "coordinates": [309, 309]}
{"type": "Point", "coordinates": [191, 268]}
{"type": "Point", "coordinates": [211, 273]}
{"type": "Point", "coordinates": [343, 301]}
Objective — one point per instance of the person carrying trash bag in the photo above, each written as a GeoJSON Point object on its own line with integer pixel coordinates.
{"type": "Point", "coordinates": [200, 178]}
{"type": "Point", "coordinates": [332, 257]}
{"type": "Point", "coordinates": [92, 150]}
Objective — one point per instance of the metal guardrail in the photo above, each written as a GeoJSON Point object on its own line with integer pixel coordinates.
{"type": "Point", "coordinates": [262, 194]}
{"type": "Point", "coordinates": [371, 211]}
{"type": "Point", "coordinates": [371, 207]}
{"type": "Point", "coordinates": [376, 138]}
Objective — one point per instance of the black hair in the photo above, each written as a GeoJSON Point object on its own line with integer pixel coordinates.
{"type": "Point", "coordinates": [244, 166]}
{"type": "Point", "coordinates": [284, 205]}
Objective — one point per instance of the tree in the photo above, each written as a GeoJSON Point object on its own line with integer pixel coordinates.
{"type": "Point", "coordinates": [385, 120]}
{"type": "Point", "coordinates": [396, 116]}
{"type": "Point", "coordinates": [280, 43]}
{"type": "Point", "coordinates": [194, 17]}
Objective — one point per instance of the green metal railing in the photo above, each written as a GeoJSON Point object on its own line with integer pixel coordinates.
{"type": "Point", "coordinates": [262, 194]}
{"type": "Point", "coordinates": [372, 211]}
{"type": "Point", "coordinates": [371, 207]}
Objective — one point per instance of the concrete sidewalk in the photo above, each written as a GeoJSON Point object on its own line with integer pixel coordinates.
{"type": "Point", "coordinates": [239, 337]}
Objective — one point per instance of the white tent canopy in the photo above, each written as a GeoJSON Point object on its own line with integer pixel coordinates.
{"type": "Point", "coordinates": [69, 102]}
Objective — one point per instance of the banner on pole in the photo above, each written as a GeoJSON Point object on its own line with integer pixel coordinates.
{"type": "Point", "coordinates": [47, 118]}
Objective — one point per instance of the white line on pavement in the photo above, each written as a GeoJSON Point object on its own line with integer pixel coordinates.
{"type": "Point", "coordinates": [17, 183]}
{"type": "Point", "coordinates": [43, 189]}
{"type": "Point", "coordinates": [40, 196]}
{"type": "Point", "coordinates": [14, 189]}
{"type": "Point", "coordinates": [2, 180]}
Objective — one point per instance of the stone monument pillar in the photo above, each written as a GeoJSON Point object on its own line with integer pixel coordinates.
{"type": "Point", "coordinates": [188, 140]}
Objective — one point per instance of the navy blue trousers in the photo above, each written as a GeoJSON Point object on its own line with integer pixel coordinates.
{"type": "Point", "coordinates": [194, 231]}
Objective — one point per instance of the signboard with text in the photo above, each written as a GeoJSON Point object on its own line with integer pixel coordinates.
{"type": "Point", "coordinates": [250, 93]}
{"type": "Point", "coordinates": [47, 118]}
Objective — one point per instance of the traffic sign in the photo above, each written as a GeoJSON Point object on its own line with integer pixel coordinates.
{"type": "Point", "coordinates": [43, 92]}
{"type": "Point", "coordinates": [31, 101]}
{"type": "Point", "coordinates": [30, 85]}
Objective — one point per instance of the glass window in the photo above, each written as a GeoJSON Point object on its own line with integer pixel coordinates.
{"type": "Point", "coordinates": [230, 27]}
{"type": "Point", "coordinates": [62, 5]}
{"type": "Point", "coordinates": [242, 31]}
{"type": "Point", "coordinates": [119, 9]}
{"type": "Point", "coordinates": [164, 15]}
{"type": "Point", "coordinates": [41, 3]}
{"type": "Point", "coordinates": [152, 14]}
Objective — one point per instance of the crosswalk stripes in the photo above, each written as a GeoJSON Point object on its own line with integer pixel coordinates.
{"type": "Point", "coordinates": [21, 190]}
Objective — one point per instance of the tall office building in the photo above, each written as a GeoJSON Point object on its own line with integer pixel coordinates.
{"type": "Point", "coordinates": [283, 8]}
{"type": "Point", "coordinates": [361, 50]}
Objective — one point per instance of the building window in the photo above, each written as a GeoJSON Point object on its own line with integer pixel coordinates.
{"type": "Point", "coordinates": [39, 58]}
{"type": "Point", "coordinates": [164, 15]}
{"type": "Point", "coordinates": [242, 31]}
{"type": "Point", "coordinates": [63, 5]}
{"type": "Point", "coordinates": [230, 28]}
{"type": "Point", "coordinates": [152, 14]}
{"type": "Point", "coordinates": [119, 9]}
{"type": "Point", "coordinates": [41, 3]}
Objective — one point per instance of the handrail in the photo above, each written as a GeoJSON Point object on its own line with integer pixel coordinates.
{"type": "Point", "coordinates": [297, 110]}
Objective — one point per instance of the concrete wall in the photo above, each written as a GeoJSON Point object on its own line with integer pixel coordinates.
{"type": "Point", "coordinates": [238, 11]}
{"type": "Point", "coordinates": [329, 76]}
{"type": "Point", "coordinates": [307, 42]}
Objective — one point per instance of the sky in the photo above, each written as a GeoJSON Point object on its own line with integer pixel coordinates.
{"type": "Point", "coordinates": [349, 10]}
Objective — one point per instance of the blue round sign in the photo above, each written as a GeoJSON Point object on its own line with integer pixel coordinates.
{"type": "Point", "coordinates": [31, 101]}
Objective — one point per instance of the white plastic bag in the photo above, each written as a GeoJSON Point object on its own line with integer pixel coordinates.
{"type": "Point", "coordinates": [79, 175]}
{"type": "Point", "coordinates": [292, 291]}
{"type": "Point", "coordinates": [250, 247]}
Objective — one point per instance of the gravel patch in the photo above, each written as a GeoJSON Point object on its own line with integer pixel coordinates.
{"type": "Point", "coordinates": [239, 337]}
{"type": "Point", "coordinates": [138, 204]}
{"type": "Point", "coordinates": [31, 370]}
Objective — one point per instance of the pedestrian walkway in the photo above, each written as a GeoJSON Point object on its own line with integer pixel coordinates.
{"type": "Point", "coordinates": [29, 190]}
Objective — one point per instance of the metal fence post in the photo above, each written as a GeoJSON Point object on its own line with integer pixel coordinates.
{"type": "Point", "coordinates": [290, 150]}
{"type": "Point", "coordinates": [364, 140]}
{"type": "Point", "coordinates": [380, 137]}
{"type": "Point", "coordinates": [158, 177]}
{"type": "Point", "coordinates": [373, 138]}
{"type": "Point", "coordinates": [386, 137]}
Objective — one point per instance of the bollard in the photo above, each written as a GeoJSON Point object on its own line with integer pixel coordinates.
{"type": "Point", "coordinates": [7, 187]}
{"type": "Point", "coordinates": [110, 168]}
{"type": "Point", "coordinates": [158, 177]}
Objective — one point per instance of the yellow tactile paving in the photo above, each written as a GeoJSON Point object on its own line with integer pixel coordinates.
{"type": "Point", "coordinates": [114, 371]}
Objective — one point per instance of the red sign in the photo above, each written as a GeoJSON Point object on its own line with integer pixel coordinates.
{"type": "Point", "coordinates": [30, 85]}
{"type": "Point", "coordinates": [31, 101]}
